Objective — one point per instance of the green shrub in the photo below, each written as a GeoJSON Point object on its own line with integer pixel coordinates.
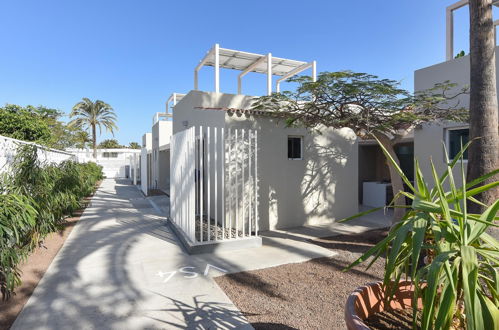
{"type": "Point", "coordinates": [37, 198]}
{"type": "Point", "coordinates": [17, 220]}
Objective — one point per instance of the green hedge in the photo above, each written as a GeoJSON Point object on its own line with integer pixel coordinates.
{"type": "Point", "coordinates": [35, 201]}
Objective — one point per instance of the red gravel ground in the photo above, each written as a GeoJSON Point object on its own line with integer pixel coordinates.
{"type": "Point", "coordinates": [33, 270]}
{"type": "Point", "coordinates": [307, 295]}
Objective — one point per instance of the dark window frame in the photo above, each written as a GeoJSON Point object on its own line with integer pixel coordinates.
{"type": "Point", "coordinates": [295, 150]}
{"type": "Point", "coordinates": [453, 137]}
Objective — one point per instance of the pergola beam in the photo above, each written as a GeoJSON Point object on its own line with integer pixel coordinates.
{"type": "Point", "coordinates": [296, 71]}
{"type": "Point", "coordinates": [174, 98]}
{"type": "Point", "coordinates": [250, 62]}
{"type": "Point", "coordinates": [249, 69]}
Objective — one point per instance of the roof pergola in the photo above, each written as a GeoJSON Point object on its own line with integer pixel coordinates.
{"type": "Point", "coordinates": [450, 26]}
{"type": "Point", "coordinates": [251, 62]}
{"type": "Point", "coordinates": [173, 99]}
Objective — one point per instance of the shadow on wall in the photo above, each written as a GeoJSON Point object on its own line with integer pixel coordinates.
{"type": "Point", "coordinates": [319, 188]}
{"type": "Point", "coordinates": [323, 187]}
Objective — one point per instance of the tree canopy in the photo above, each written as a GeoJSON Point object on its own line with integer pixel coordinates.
{"type": "Point", "coordinates": [365, 103]}
{"type": "Point", "coordinates": [89, 115]}
{"type": "Point", "coordinates": [134, 145]}
{"type": "Point", "coordinates": [110, 144]}
{"type": "Point", "coordinates": [41, 125]}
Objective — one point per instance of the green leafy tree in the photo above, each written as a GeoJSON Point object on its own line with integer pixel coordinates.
{"type": "Point", "coordinates": [110, 144]}
{"type": "Point", "coordinates": [90, 115]}
{"type": "Point", "coordinates": [134, 145]}
{"type": "Point", "coordinates": [24, 123]}
{"type": "Point", "coordinates": [370, 106]}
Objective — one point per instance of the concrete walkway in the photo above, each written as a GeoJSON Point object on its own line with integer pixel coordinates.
{"type": "Point", "coordinates": [122, 268]}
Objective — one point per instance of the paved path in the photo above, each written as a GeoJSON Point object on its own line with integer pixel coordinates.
{"type": "Point", "coordinates": [121, 268]}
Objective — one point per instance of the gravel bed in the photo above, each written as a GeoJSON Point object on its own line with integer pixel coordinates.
{"type": "Point", "coordinates": [307, 295]}
{"type": "Point", "coordinates": [214, 228]}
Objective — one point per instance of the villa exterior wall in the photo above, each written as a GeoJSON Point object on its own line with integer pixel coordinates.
{"type": "Point", "coordinates": [161, 135]}
{"type": "Point", "coordinates": [429, 138]}
{"type": "Point", "coordinates": [319, 188]}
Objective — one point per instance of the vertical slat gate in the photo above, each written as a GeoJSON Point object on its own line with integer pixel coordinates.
{"type": "Point", "coordinates": [214, 183]}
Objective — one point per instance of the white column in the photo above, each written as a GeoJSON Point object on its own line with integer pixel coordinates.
{"type": "Point", "coordinates": [196, 79]}
{"type": "Point", "coordinates": [269, 74]}
{"type": "Point", "coordinates": [217, 68]}
{"type": "Point", "coordinates": [449, 34]}
{"type": "Point", "coordinates": [314, 71]}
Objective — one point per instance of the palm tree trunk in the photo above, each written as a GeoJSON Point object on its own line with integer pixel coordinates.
{"type": "Point", "coordinates": [94, 141]}
{"type": "Point", "coordinates": [483, 154]}
{"type": "Point", "coordinates": [396, 180]}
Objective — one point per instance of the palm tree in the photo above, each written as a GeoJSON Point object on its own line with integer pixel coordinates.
{"type": "Point", "coordinates": [483, 154]}
{"type": "Point", "coordinates": [90, 115]}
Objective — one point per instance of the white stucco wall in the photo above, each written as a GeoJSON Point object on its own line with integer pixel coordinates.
{"type": "Point", "coordinates": [318, 189]}
{"type": "Point", "coordinates": [428, 139]}
{"type": "Point", "coordinates": [161, 135]}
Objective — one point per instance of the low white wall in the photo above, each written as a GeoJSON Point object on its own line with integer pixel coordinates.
{"type": "Point", "coordinates": [8, 148]}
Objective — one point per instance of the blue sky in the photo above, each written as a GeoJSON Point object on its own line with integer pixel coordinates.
{"type": "Point", "coordinates": [133, 54]}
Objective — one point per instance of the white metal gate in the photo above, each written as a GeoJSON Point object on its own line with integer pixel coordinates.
{"type": "Point", "coordinates": [214, 183]}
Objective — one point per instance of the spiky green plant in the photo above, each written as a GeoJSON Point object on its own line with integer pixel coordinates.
{"type": "Point", "coordinates": [17, 218]}
{"type": "Point", "coordinates": [36, 197]}
{"type": "Point", "coordinates": [461, 268]}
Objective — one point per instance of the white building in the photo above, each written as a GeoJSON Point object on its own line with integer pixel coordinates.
{"type": "Point", "coordinates": [235, 170]}
{"type": "Point", "coordinates": [116, 163]}
{"type": "Point", "coordinates": [428, 139]}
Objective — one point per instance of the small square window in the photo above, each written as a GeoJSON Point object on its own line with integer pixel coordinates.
{"type": "Point", "coordinates": [295, 147]}
{"type": "Point", "coordinates": [454, 139]}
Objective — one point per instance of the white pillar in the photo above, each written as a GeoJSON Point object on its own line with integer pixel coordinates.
{"type": "Point", "coordinates": [217, 68]}
{"type": "Point", "coordinates": [314, 71]}
{"type": "Point", "coordinates": [135, 169]}
{"type": "Point", "coordinates": [449, 34]}
{"type": "Point", "coordinates": [196, 79]}
{"type": "Point", "coordinates": [269, 74]}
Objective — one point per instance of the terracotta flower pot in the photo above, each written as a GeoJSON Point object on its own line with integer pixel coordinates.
{"type": "Point", "coordinates": [368, 300]}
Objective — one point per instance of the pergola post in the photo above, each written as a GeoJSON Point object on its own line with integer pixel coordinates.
{"type": "Point", "coordinates": [269, 74]}
{"type": "Point", "coordinates": [449, 47]}
{"type": "Point", "coordinates": [217, 68]}
{"type": "Point", "coordinates": [314, 71]}
{"type": "Point", "coordinates": [449, 28]}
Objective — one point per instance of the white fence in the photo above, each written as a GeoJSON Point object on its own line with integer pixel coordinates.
{"type": "Point", "coordinates": [8, 147]}
{"type": "Point", "coordinates": [214, 183]}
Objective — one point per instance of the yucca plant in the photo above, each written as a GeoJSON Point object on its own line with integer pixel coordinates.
{"type": "Point", "coordinates": [458, 281]}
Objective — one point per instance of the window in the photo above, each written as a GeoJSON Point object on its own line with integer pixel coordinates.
{"type": "Point", "coordinates": [454, 139]}
{"type": "Point", "coordinates": [110, 154]}
{"type": "Point", "coordinates": [295, 147]}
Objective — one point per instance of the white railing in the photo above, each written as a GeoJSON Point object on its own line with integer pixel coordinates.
{"type": "Point", "coordinates": [214, 186]}
{"type": "Point", "coordinates": [8, 149]}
